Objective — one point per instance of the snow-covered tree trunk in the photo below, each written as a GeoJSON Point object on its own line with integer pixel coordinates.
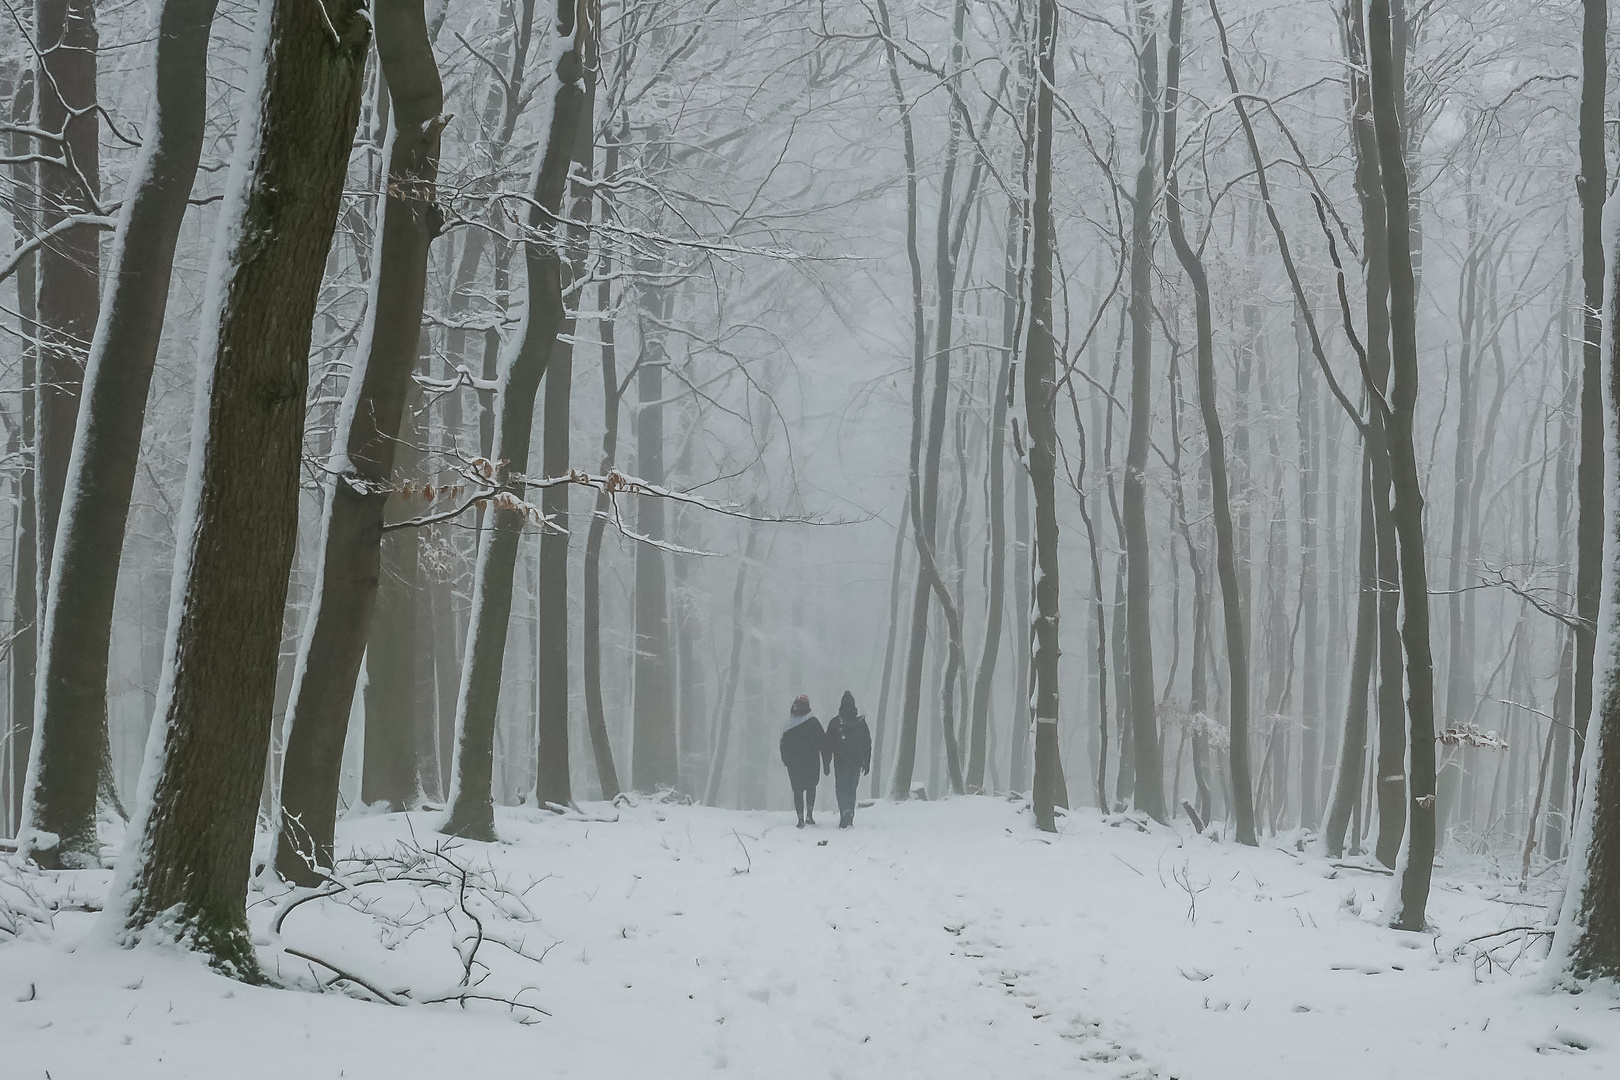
{"type": "Point", "coordinates": [77, 634]}
{"type": "Point", "coordinates": [184, 877]}
{"type": "Point", "coordinates": [472, 809]}
{"type": "Point", "coordinates": [360, 475]}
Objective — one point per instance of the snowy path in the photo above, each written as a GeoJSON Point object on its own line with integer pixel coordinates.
{"type": "Point", "coordinates": [934, 940]}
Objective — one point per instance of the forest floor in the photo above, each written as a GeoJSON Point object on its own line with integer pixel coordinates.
{"type": "Point", "coordinates": [943, 939]}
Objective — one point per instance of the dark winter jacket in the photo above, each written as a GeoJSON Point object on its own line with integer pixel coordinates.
{"type": "Point", "coordinates": [804, 752]}
{"type": "Point", "coordinates": [850, 743]}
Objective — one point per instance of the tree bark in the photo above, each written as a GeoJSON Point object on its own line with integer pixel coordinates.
{"type": "Point", "coordinates": [1591, 184]}
{"type": "Point", "coordinates": [1149, 760]}
{"type": "Point", "coordinates": [1232, 594]}
{"type": "Point", "coordinates": [77, 637]}
{"type": "Point", "coordinates": [361, 472]}
{"type": "Point", "coordinates": [552, 779]}
{"type": "Point", "coordinates": [184, 875]}
{"type": "Point", "coordinates": [1415, 864]}
{"type": "Point", "coordinates": [1040, 405]}
{"type": "Point", "coordinates": [1352, 759]}
{"type": "Point", "coordinates": [472, 809]}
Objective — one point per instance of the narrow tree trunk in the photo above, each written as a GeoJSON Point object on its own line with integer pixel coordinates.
{"type": "Point", "coordinates": [739, 633]}
{"type": "Point", "coordinates": [366, 441]}
{"type": "Point", "coordinates": [1023, 578]}
{"type": "Point", "coordinates": [25, 558]}
{"type": "Point", "coordinates": [1310, 663]}
{"type": "Point", "coordinates": [1232, 595]}
{"type": "Point", "coordinates": [653, 750]}
{"type": "Point", "coordinates": [880, 725]}
{"type": "Point", "coordinates": [1352, 759]}
{"type": "Point", "coordinates": [184, 875]}
{"type": "Point", "coordinates": [471, 797]}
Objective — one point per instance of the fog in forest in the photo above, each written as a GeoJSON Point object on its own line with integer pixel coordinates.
{"type": "Point", "coordinates": [1176, 417]}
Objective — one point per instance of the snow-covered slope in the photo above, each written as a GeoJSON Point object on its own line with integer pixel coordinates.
{"type": "Point", "coordinates": [933, 940]}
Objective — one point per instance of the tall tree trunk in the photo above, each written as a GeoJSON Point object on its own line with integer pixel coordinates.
{"type": "Point", "coordinates": [25, 558]}
{"type": "Point", "coordinates": [366, 440]}
{"type": "Point", "coordinates": [388, 758]}
{"type": "Point", "coordinates": [552, 779]}
{"type": "Point", "coordinates": [70, 266]}
{"type": "Point", "coordinates": [880, 725]}
{"type": "Point", "coordinates": [1593, 188]}
{"type": "Point", "coordinates": [1415, 865]}
{"type": "Point", "coordinates": [1352, 759]}
{"type": "Point", "coordinates": [1040, 405]}
{"type": "Point", "coordinates": [739, 633]}
{"type": "Point", "coordinates": [1232, 594]}
{"type": "Point", "coordinates": [472, 810]}
{"type": "Point", "coordinates": [607, 774]}
{"type": "Point", "coordinates": [1149, 762]}
{"type": "Point", "coordinates": [1310, 664]}
{"type": "Point", "coordinates": [1023, 578]}
{"type": "Point", "coordinates": [185, 872]}
{"type": "Point", "coordinates": [654, 760]}
{"type": "Point", "coordinates": [77, 634]}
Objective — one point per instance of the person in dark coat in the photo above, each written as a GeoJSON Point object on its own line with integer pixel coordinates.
{"type": "Point", "coordinates": [850, 743]}
{"type": "Point", "coordinates": [805, 753]}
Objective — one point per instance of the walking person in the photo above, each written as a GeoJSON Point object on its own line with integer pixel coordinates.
{"type": "Point", "coordinates": [850, 743]}
{"type": "Point", "coordinates": [806, 755]}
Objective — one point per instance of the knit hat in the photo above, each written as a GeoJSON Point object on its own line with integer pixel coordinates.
{"type": "Point", "coordinates": [801, 705]}
{"type": "Point", "coordinates": [846, 707]}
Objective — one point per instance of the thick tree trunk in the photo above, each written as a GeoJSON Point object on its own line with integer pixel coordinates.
{"type": "Point", "coordinates": [77, 634]}
{"type": "Point", "coordinates": [388, 760]}
{"type": "Point", "coordinates": [1040, 405]}
{"type": "Point", "coordinates": [1232, 595]}
{"type": "Point", "coordinates": [184, 876]}
{"type": "Point", "coordinates": [1592, 186]}
{"type": "Point", "coordinates": [552, 779]}
{"type": "Point", "coordinates": [472, 810]}
{"type": "Point", "coordinates": [1149, 760]}
{"type": "Point", "coordinates": [1415, 865]}
{"type": "Point", "coordinates": [360, 476]}
{"type": "Point", "coordinates": [70, 266]}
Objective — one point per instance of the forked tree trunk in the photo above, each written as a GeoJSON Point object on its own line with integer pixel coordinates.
{"type": "Point", "coordinates": [361, 474]}
{"type": "Point", "coordinates": [184, 874]}
{"type": "Point", "coordinates": [472, 808]}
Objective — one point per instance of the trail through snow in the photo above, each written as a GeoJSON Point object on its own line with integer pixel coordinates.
{"type": "Point", "coordinates": [936, 940]}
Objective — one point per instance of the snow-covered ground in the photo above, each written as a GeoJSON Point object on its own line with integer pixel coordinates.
{"type": "Point", "coordinates": [943, 939]}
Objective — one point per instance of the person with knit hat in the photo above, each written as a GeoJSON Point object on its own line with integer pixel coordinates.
{"type": "Point", "coordinates": [849, 742]}
{"type": "Point", "coordinates": [805, 753]}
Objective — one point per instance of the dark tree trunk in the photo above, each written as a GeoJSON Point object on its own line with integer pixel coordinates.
{"type": "Point", "coordinates": [1040, 405]}
{"type": "Point", "coordinates": [184, 876]}
{"type": "Point", "coordinates": [1149, 759]}
{"type": "Point", "coordinates": [1023, 578]}
{"type": "Point", "coordinates": [552, 778]}
{"type": "Point", "coordinates": [69, 267]}
{"type": "Point", "coordinates": [1232, 595]}
{"type": "Point", "coordinates": [1352, 759]}
{"type": "Point", "coordinates": [362, 472]}
{"type": "Point", "coordinates": [472, 809]}
{"type": "Point", "coordinates": [101, 473]}
{"type": "Point", "coordinates": [1416, 863]}
{"type": "Point", "coordinates": [388, 761]}
{"type": "Point", "coordinates": [1592, 186]}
